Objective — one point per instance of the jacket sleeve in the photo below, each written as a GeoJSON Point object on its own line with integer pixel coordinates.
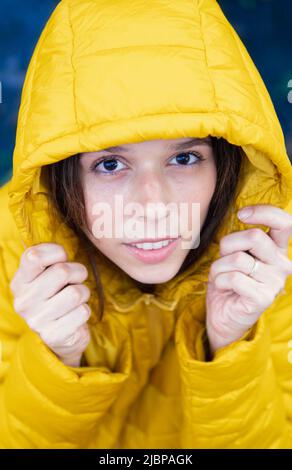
{"type": "Point", "coordinates": [242, 398]}
{"type": "Point", "coordinates": [44, 403]}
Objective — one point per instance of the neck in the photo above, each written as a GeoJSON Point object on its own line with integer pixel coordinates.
{"type": "Point", "coordinates": [147, 288]}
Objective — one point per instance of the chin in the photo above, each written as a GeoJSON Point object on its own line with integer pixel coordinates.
{"type": "Point", "coordinates": [153, 278]}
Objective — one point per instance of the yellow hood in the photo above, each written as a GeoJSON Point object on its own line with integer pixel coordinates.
{"type": "Point", "coordinates": [106, 73]}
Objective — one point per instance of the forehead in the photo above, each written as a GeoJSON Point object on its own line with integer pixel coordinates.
{"type": "Point", "coordinates": [171, 143]}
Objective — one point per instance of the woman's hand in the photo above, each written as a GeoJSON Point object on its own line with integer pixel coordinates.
{"type": "Point", "coordinates": [56, 312]}
{"type": "Point", "coordinates": [235, 300]}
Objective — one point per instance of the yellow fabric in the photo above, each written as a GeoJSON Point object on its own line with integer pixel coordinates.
{"type": "Point", "coordinates": [110, 72]}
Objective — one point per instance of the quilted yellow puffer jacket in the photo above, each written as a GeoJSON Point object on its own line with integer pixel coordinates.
{"type": "Point", "coordinates": [110, 72]}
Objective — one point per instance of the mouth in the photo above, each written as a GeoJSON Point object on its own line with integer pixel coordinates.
{"type": "Point", "coordinates": [154, 251]}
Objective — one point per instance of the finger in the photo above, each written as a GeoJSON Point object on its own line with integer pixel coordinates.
{"type": "Point", "coordinates": [55, 277]}
{"type": "Point", "coordinates": [69, 323]}
{"type": "Point", "coordinates": [59, 331]}
{"type": "Point", "coordinates": [243, 262]}
{"type": "Point", "coordinates": [78, 341]}
{"type": "Point", "coordinates": [67, 299]}
{"type": "Point", "coordinates": [33, 300]}
{"type": "Point", "coordinates": [83, 334]}
{"type": "Point", "coordinates": [278, 220]}
{"type": "Point", "coordinates": [259, 244]}
{"type": "Point", "coordinates": [243, 286]}
{"type": "Point", "coordinates": [238, 282]}
{"type": "Point", "coordinates": [36, 259]}
{"type": "Point", "coordinates": [55, 307]}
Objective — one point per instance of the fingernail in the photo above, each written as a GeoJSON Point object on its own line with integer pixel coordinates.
{"type": "Point", "coordinates": [31, 255]}
{"type": "Point", "coordinates": [245, 213]}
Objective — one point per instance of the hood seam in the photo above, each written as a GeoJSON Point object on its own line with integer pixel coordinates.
{"type": "Point", "coordinates": [205, 55]}
{"type": "Point", "coordinates": [30, 82]}
{"type": "Point", "coordinates": [73, 67]}
{"type": "Point", "coordinates": [224, 112]}
{"type": "Point", "coordinates": [233, 33]}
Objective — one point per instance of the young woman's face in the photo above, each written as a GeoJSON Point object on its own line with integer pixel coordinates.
{"type": "Point", "coordinates": [153, 174]}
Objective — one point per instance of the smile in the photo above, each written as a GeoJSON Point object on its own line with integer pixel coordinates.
{"type": "Point", "coordinates": [152, 252]}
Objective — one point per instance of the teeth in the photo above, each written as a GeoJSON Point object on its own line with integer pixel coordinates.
{"type": "Point", "coordinates": [153, 246]}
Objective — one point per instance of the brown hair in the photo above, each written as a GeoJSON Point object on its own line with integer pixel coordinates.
{"type": "Point", "coordinates": [66, 197]}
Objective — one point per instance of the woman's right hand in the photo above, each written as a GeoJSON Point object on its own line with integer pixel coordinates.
{"type": "Point", "coordinates": [58, 312]}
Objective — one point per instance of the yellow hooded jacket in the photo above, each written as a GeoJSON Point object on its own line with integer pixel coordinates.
{"type": "Point", "coordinates": [110, 72]}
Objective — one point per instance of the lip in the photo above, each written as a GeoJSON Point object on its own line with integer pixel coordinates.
{"type": "Point", "coordinates": [149, 240]}
{"type": "Point", "coordinates": [153, 256]}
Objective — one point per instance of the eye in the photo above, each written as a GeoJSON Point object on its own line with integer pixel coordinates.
{"type": "Point", "coordinates": [184, 159]}
{"type": "Point", "coordinates": [109, 164]}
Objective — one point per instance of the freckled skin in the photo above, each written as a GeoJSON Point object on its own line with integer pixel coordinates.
{"type": "Point", "coordinates": [148, 172]}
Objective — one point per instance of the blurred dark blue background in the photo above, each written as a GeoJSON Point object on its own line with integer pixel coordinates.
{"type": "Point", "coordinates": [263, 25]}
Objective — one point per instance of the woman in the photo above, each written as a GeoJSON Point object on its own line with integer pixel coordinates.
{"type": "Point", "coordinates": [171, 353]}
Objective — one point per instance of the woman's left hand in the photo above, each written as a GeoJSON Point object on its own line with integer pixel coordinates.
{"type": "Point", "coordinates": [234, 299]}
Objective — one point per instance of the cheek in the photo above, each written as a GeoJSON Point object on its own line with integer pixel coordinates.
{"type": "Point", "coordinates": [90, 199]}
{"type": "Point", "coordinates": [198, 189]}
{"type": "Point", "coordinates": [100, 213]}
{"type": "Point", "coordinates": [94, 200]}
{"type": "Point", "coordinates": [95, 193]}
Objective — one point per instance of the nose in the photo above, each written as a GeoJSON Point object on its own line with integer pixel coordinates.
{"type": "Point", "coordinates": [151, 194]}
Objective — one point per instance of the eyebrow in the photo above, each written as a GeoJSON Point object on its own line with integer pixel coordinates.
{"type": "Point", "coordinates": [176, 146]}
